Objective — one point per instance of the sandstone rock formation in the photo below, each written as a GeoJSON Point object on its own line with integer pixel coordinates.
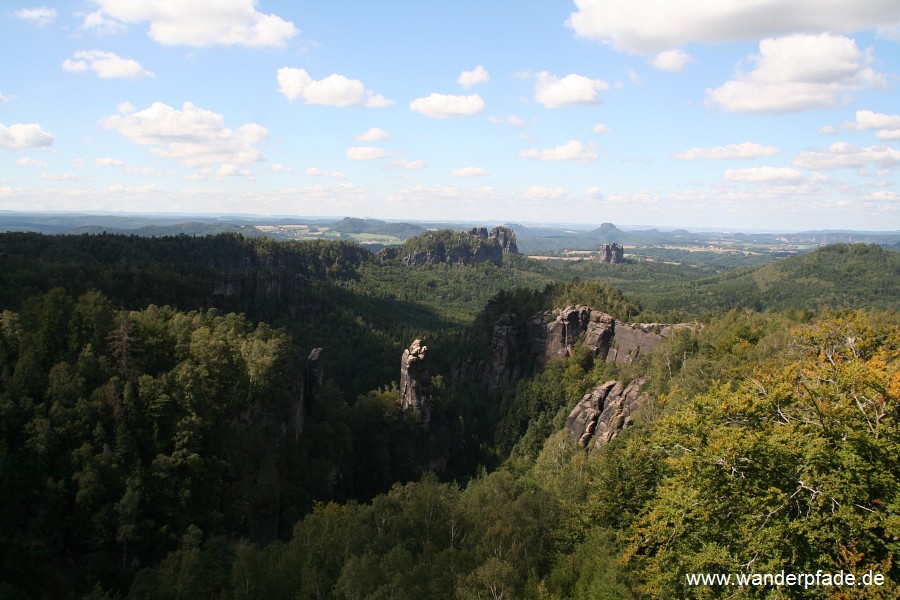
{"type": "Point", "coordinates": [390, 253]}
{"type": "Point", "coordinates": [415, 382]}
{"type": "Point", "coordinates": [518, 348]}
{"type": "Point", "coordinates": [603, 413]}
{"type": "Point", "coordinates": [503, 366]}
{"type": "Point", "coordinates": [462, 247]}
{"type": "Point", "coordinates": [506, 238]}
{"type": "Point", "coordinates": [612, 253]}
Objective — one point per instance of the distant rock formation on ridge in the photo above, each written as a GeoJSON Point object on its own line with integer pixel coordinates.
{"type": "Point", "coordinates": [474, 246]}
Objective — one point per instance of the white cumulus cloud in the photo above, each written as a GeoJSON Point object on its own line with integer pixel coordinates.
{"type": "Point", "coordinates": [469, 78]}
{"type": "Point", "coordinates": [553, 92]}
{"type": "Point", "coordinates": [194, 136]}
{"type": "Point", "coordinates": [743, 150]}
{"type": "Point", "coordinates": [100, 23]}
{"type": "Point", "coordinates": [281, 168]}
{"type": "Point", "coordinates": [27, 161]}
{"type": "Point", "coordinates": [651, 26]}
{"type": "Point", "coordinates": [444, 106]}
{"type": "Point", "coordinates": [116, 162]}
{"type": "Point", "coordinates": [571, 150]}
{"type": "Point", "coordinates": [594, 193]}
{"type": "Point", "coordinates": [317, 172]}
{"type": "Point", "coordinates": [886, 127]}
{"type": "Point", "coordinates": [105, 65]}
{"type": "Point", "coordinates": [60, 177]}
{"type": "Point", "coordinates": [24, 135]}
{"type": "Point", "coordinates": [367, 153]}
{"type": "Point", "coordinates": [409, 165]}
{"type": "Point", "coordinates": [599, 128]}
{"type": "Point", "coordinates": [470, 172]}
{"type": "Point", "coordinates": [515, 121]}
{"type": "Point", "coordinates": [375, 134]}
{"type": "Point", "coordinates": [842, 155]}
{"type": "Point", "coordinates": [799, 72]}
{"type": "Point", "coordinates": [671, 60]}
{"type": "Point", "coordinates": [40, 16]}
{"type": "Point", "coordinates": [777, 175]}
{"type": "Point", "coordinates": [334, 90]}
{"type": "Point", "coordinates": [198, 23]}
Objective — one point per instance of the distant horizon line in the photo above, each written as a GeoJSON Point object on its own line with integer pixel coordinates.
{"type": "Point", "coordinates": [335, 218]}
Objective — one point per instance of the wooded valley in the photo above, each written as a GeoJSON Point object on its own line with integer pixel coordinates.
{"type": "Point", "coordinates": [223, 417]}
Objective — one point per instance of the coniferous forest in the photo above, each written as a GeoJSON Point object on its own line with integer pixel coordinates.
{"type": "Point", "coordinates": [230, 417]}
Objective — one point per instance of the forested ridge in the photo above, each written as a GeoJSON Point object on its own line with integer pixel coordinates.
{"type": "Point", "coordinates": [166, 433]}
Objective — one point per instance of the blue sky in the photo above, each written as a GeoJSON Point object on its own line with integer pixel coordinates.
{"type": "Point", "coordinates": [770, 114]}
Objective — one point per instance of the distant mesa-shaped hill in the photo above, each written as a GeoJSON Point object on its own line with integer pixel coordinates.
{"type": "Point", "coordinates": [375, 226]}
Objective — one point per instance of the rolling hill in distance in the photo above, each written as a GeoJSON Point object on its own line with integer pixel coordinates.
{"type": "Point", "coordinates": [533, 237]}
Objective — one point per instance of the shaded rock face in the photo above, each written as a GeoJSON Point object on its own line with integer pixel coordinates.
{"type": "Point", "coordinates": [612, 253]}
{"type": "Point", "coordinates": [507, 239]}
{"type": "Point", "coordinates": [603, 413]}
{"type": "Point", "coordinates": [556, 337]}
{"type": "Point", "coordinates": [609, 339]}
{"type": "Point", "coordinates": [389, 253]}
{"type": "Point", "coordinates": [415, 382]}
{"type": "Point", "coordinates": [518, 349]}
{"type": "Point", "coordinates": [311, 382]}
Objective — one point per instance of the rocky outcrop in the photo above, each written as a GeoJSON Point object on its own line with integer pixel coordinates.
{"type": "Point", "coordinates": [519, 348]}
{"type": "Point", "coordinates": [553, 334]}
{"type": "Point", "coordinates": [555, 337]}
{"type": "Point", "coordinates": [389, 253]}
{"type": "Point", "coordinates": [506, 237]}
{"type": "Point", "coordinates": [415, 382]}
{"type": "Point", "coordinates": [612, 254]}
{"type": "Point", "coordinates": [311, 381]}
{"type": "Point", "coordinates": [474, 246]}
{"type": "Point", "coordinates": [603, 413]}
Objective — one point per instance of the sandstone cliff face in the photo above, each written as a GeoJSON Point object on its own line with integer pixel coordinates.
{"type": "Point", "coordinates": [415, 382]}
{"type": "Point", "coordinates": [554, 334]}
{"type": "Point", "coordinates": [612, 253]}
{"type": "Point", "coordinates": [518, 348]}
{"type": "Point", "coordinates": [462, 248]}
{"type": "Point", "coordinates": [604, 413]}
{"type": "Point", "coordinates": [506, 238]}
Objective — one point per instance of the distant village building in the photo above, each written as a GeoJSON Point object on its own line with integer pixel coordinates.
{"type": "Point", "coordinates": [612, 253]}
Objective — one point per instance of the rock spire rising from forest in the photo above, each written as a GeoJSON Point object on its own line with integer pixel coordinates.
{"type": "Point", "coordinates": [415, 382]}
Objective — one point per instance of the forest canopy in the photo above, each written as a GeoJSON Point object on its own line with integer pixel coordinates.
{"type": "Point", "coordinates": [166, 431]}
